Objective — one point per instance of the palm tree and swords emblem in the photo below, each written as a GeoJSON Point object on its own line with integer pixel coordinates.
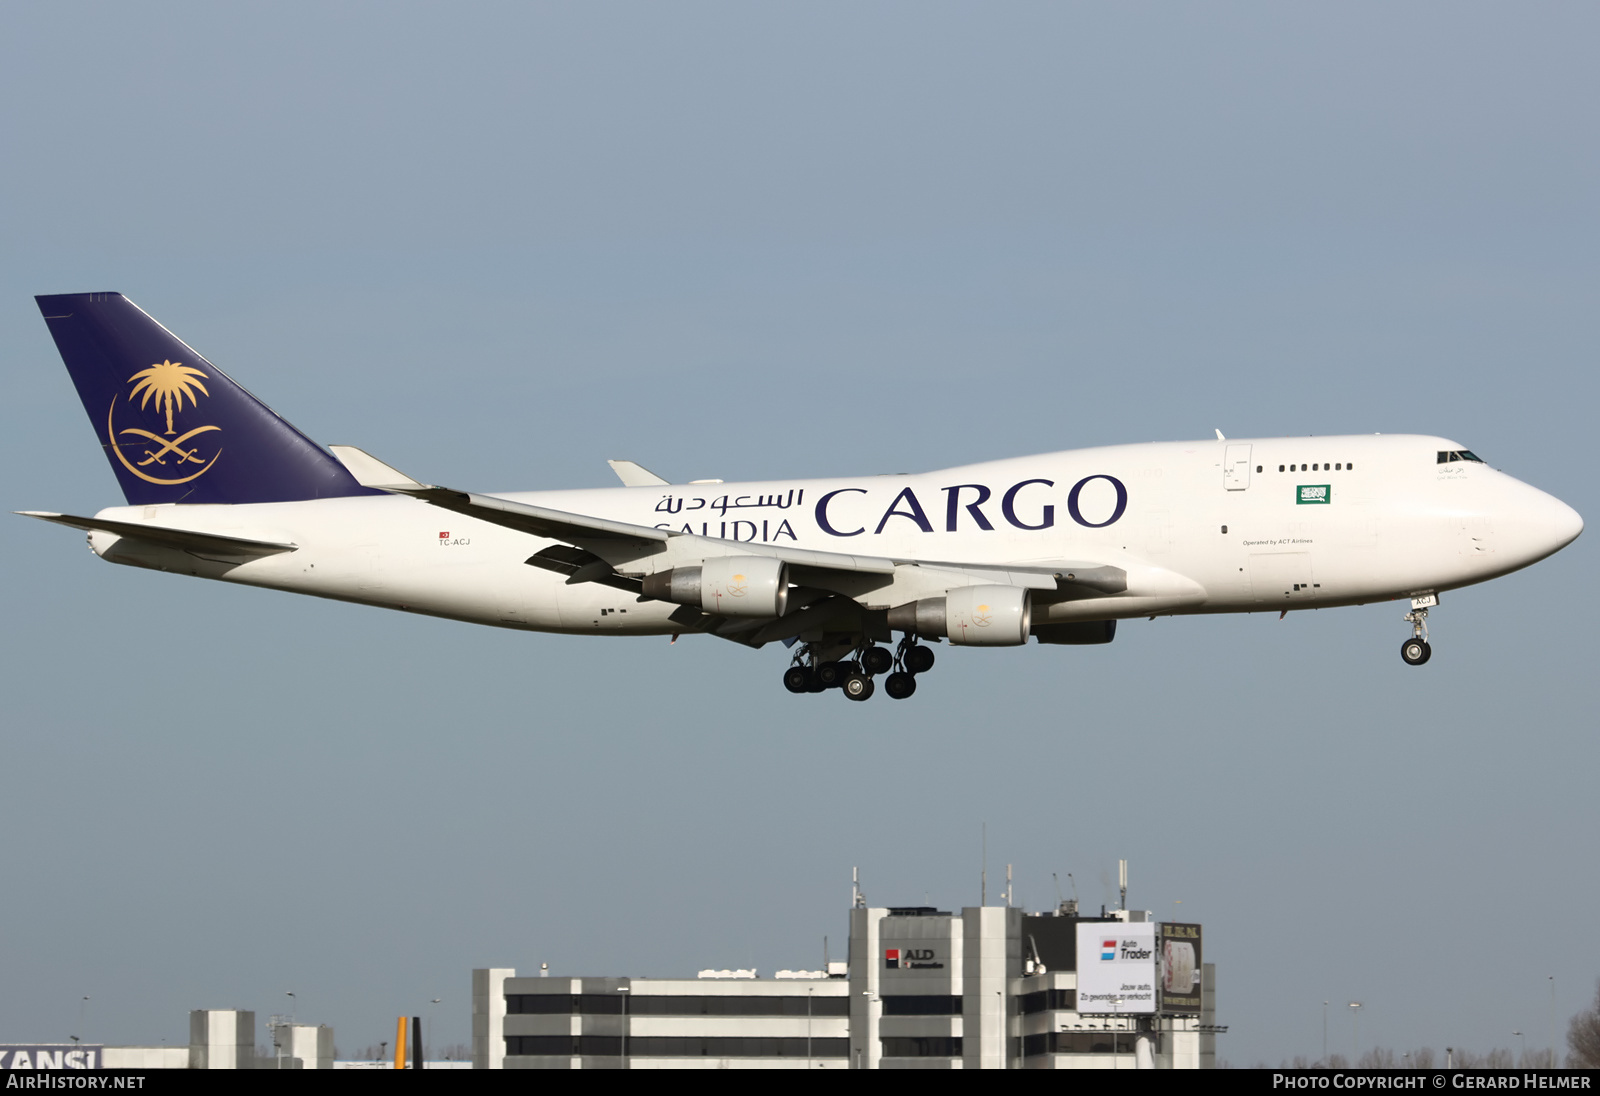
{"type": "Point", "coordinates": [169, 384]}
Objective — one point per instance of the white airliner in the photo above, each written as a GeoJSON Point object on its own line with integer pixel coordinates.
{"type": "Point", "coordinates": [1058, 547]}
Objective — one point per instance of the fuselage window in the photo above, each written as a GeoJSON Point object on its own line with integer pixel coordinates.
{"type": "Point", "coordinates": [1347, 467]}
{"type": "Point", "coordinates": [1280, 467]}
{"type": "Point", "coordinates": [1337, 467]}
{"type": "Point", "coordinates": [1258, 468]}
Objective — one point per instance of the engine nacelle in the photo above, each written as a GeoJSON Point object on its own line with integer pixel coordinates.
{"type": "Point", "coordinates": [970, 616]}
{"type": "Point", "coordinates": [748, 586]}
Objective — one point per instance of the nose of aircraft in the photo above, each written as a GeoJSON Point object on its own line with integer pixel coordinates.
{"type": "Point", "coordinates": [1528, 525]}
{"type": "Point", "coordinates": [1547, 524]}
{"type": "Point", "coordinates": [1563, 521]}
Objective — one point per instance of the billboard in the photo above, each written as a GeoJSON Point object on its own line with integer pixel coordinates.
{"type": "Point", "coordinates": [1116, 968]}
{"type": "Point", "coordinates": [1180, 969]}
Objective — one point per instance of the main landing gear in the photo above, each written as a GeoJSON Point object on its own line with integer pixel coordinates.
{"type": "Point", "coordinates": [811, 673]}
{"type": "Point", "coordinates": [1416, 650]}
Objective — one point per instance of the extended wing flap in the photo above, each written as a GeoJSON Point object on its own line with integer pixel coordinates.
{"type": "Point", "coordinates": [185, 539]}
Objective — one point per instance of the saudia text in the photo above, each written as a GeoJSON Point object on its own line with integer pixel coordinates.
{"type": "Point", "coordinates": [1029, 504]}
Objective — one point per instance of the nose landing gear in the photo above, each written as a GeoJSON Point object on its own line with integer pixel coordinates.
{"type": "Point", "coordinates": [1416, 650]}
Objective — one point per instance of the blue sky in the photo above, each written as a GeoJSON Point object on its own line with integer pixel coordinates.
{"type": "Point", "coordinates": [499, 244]}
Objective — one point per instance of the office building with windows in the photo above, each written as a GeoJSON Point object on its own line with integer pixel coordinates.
{"type": "Point", "coordinates": [991, 987]}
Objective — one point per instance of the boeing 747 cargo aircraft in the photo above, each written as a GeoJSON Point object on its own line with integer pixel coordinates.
{"type": "Point", "coordinates": [855, 576]}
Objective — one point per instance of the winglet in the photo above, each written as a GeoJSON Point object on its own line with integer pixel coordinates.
{"type": "Point", "coordinates": [634, 475]}
{"type": "Point", "coordinates": [1219, 438]}
{"type": "Point", "coordinates": [369, 471]}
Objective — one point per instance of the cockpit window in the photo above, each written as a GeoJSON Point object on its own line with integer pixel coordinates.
{"type": "Point", "coordinates": [1446, 456]}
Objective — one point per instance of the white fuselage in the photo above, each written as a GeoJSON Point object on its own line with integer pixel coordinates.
{"type": "Point", "coordinates": [1194, 524]}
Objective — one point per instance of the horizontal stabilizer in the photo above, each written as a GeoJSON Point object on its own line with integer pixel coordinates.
{"type": "Point", "coordinates": [182, 539]}
{"type": "Point", "coordinates": [369, 471]}
{"type": "Point", "coordinates": [634, 475]}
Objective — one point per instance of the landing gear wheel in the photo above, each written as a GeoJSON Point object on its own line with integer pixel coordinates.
{"type": "Point", "coordinates": [1415, 651]}
{"type": "Point", "coordinates": [877, 660]}
{"type": "Point", "coordinates": [900, 685]}
{"type": "Point", "coordinates": [858, 686]}
{"type": "Point", "coordinates": [830, 675]}
{"type": "Point", "coordinates": [919, 660]}
{"type": "Point", "coordinates": [799, 679]}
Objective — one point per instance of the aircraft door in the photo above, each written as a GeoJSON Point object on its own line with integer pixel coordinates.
{"type": "Point", "coordinates": [1236, 468]}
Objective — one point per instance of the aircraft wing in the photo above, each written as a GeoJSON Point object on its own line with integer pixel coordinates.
{"type": "Point", "coordinates": [182, 539]}
{"type": "Point", "coordinates": [540, 521]}
{"type": "Point", "coordinates": [613, 541]}
{"type": "Point", "coordinates": [602, 547]}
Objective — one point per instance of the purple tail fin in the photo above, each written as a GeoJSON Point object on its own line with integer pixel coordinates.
{"type": "Point", "coordinates": [175, 427]}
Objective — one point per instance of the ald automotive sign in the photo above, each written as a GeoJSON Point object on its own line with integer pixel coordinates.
{"type": "Point", "coordinates": [1116, 967]}
{"type": "Point", "coordinates": [911, 959]}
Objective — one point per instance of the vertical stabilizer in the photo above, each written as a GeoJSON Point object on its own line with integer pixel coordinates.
{"type": "Point", "coordinates": [175, 427]}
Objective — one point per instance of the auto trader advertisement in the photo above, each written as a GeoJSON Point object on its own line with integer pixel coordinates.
{"type": "Point", "coordinates": [1116, 968]}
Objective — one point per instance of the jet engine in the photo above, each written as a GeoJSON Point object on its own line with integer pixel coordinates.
{"type": "Point", "coordinates": [971, 616]}
{"type": "Point", "coordinates": [748, 586]}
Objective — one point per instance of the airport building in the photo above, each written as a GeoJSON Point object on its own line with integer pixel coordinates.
{"type": "Point", "coordinates": [991, 987]}
{"type": "Point", "coordinates": [218, 1039]}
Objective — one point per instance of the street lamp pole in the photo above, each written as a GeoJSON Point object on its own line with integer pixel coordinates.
{"type": "Point", "coordinates": [1552, 1063]}
{"type": "Point", "coordinates": [1000, 1005]}
{"type": "Point", "coordinates": [809, 990]}
{"type": "Point", "coordinates": [624, 991]}
{"type": "Point", "coordinates": [1355, 1024]}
